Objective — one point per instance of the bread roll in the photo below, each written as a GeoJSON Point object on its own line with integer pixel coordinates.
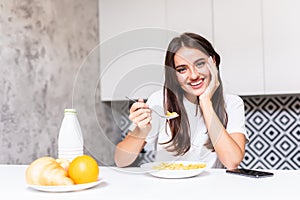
{"type": "Point", "coordinates": [47, 171]}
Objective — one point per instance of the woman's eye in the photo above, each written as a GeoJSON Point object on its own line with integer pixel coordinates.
{"type": "Point", "coordinates": [181, 70]}
{"type": "Point", "coordinates": [200, 64]}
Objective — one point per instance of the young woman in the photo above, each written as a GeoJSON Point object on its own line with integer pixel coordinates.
{"type": "Point", "coordinates": [211, 125]}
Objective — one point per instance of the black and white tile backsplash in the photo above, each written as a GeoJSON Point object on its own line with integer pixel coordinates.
{"type": "Point", "coordinates": [273, 125]}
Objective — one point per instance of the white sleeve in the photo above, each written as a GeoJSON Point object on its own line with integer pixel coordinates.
{"type": "Point", "coordinates": [236, 115]}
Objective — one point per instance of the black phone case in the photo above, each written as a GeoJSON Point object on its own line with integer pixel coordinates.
{"type": "Point", "coordinates": [250, 173]}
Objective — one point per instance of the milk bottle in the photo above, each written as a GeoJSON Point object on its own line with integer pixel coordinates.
{"type": "Point", "coordinates": [70, 139]}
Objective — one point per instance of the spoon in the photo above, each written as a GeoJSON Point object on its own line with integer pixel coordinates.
{"type": "Point", "coordinates": [169, 115]}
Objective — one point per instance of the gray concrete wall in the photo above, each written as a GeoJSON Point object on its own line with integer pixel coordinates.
{"type": "Point", "coordinates": [49, 62]}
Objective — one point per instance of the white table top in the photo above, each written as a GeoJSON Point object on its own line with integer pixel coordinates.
{"type": "Point", "coordinates": [130, 183]}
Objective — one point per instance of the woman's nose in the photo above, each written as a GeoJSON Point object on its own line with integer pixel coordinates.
{"type": "Point", "coordinates": [193, 72]}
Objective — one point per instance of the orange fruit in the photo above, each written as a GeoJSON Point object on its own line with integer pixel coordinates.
{"type": "Point", "coordinates": [83, 169]}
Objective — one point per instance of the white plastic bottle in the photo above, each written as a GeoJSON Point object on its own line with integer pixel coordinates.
{"type": "Point", "coordinates": [70, 139]}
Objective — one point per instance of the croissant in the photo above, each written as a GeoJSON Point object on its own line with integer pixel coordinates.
{"type": "Point", "coordinates": [47, 171]}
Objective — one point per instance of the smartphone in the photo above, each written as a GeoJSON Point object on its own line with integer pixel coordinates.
{"type": "Point", "coordinates": [250, 173]}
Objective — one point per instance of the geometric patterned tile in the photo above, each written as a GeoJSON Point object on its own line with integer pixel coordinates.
{"type": "Point", "coordinates": [273, 159]}
{"type": "Point", "coordinates": [284, 120]}
{"type": "Point", "coordinates": [285, 146]}
{"type": "Point", "coordinates": [124, 123]}
{"type": "Point", "coordinates": [294, 106]}
{"type": "Point", "coordinates": [271, 132]}
{"type": "Point", "coordinates": [276, 143]}
{"type": "Point", "coordinates": [248, 159]}
{"type": "Point", "coordinates": [270, 106]}
{"type": "Point", "coordinates": [259, 164]}
{"type": "Point", "coordinates": [249, 107]}
{"type": "Point", "coordinates": [295, 133]}
{"type": "Point", "coordinates": [287, 166]}
{"type": "Point", "coordinates": [250, 130]}
{"type": "Point", "coordinates": [259, 145]}
{"type": "Point", "coordinates": [295, 158]}
{"type": "Point", "coordinates": [258, 120]}
{"type": "Point", "coordinates": [256, 101]}
{"type": "Point", "coordinates": [284, 100]}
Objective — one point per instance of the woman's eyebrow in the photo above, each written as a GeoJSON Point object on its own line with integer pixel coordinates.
{"type": "Point", "coordinates": [195, 62]}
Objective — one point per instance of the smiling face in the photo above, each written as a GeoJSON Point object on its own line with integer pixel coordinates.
{"type": "Point", "coordinates": [192, 72]}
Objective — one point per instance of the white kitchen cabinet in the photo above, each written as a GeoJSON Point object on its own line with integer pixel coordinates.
{"type": "Point", "coordinates": [259, 43]}
{"type": "Point", "coordinates": [238, 40]}
{"type": "Point", "coordinates": [134, 35]}
{"type": "Point", "coordinates": [281, 46]}
{"type": "Point", "coordinates": [116, 17]}
{"type": "Point", "coordinates": [190, 16]}
{"type": "Point", "coordinates": [131, 43]}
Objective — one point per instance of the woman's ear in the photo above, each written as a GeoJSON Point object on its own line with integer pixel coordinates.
{"type": "Point", "coordinates": [214, 59]}
{"type": "Point", "coordinates": [215, 62]}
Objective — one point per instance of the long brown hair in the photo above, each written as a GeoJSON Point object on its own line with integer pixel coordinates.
{"type": "Point", "coordinates": [180, 141]}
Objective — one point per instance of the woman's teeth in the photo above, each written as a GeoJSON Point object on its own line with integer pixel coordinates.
{"type": "Point", "coordinates": [196, 83]}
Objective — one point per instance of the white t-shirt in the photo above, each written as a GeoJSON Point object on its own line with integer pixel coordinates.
{"type": "Point", "coordinates": [198, 152]}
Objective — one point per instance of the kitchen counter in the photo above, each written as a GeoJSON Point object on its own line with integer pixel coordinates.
{"type": "Point", "coordinates": [132, 183]}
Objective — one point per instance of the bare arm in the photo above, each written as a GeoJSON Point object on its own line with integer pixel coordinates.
{"type": "Point", "coordinates": [127, 150]}
{"type": "Point", "coordinates": [230, 148]}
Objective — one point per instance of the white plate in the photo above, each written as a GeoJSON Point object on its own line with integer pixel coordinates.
{"type": "Point", "coordinates": [65, 188]}
{"type": "Point", "coordinates": [181, 173]}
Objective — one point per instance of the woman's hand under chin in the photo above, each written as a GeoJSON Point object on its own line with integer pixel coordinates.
{"type": "Point", "coordinates": [213, 85]}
